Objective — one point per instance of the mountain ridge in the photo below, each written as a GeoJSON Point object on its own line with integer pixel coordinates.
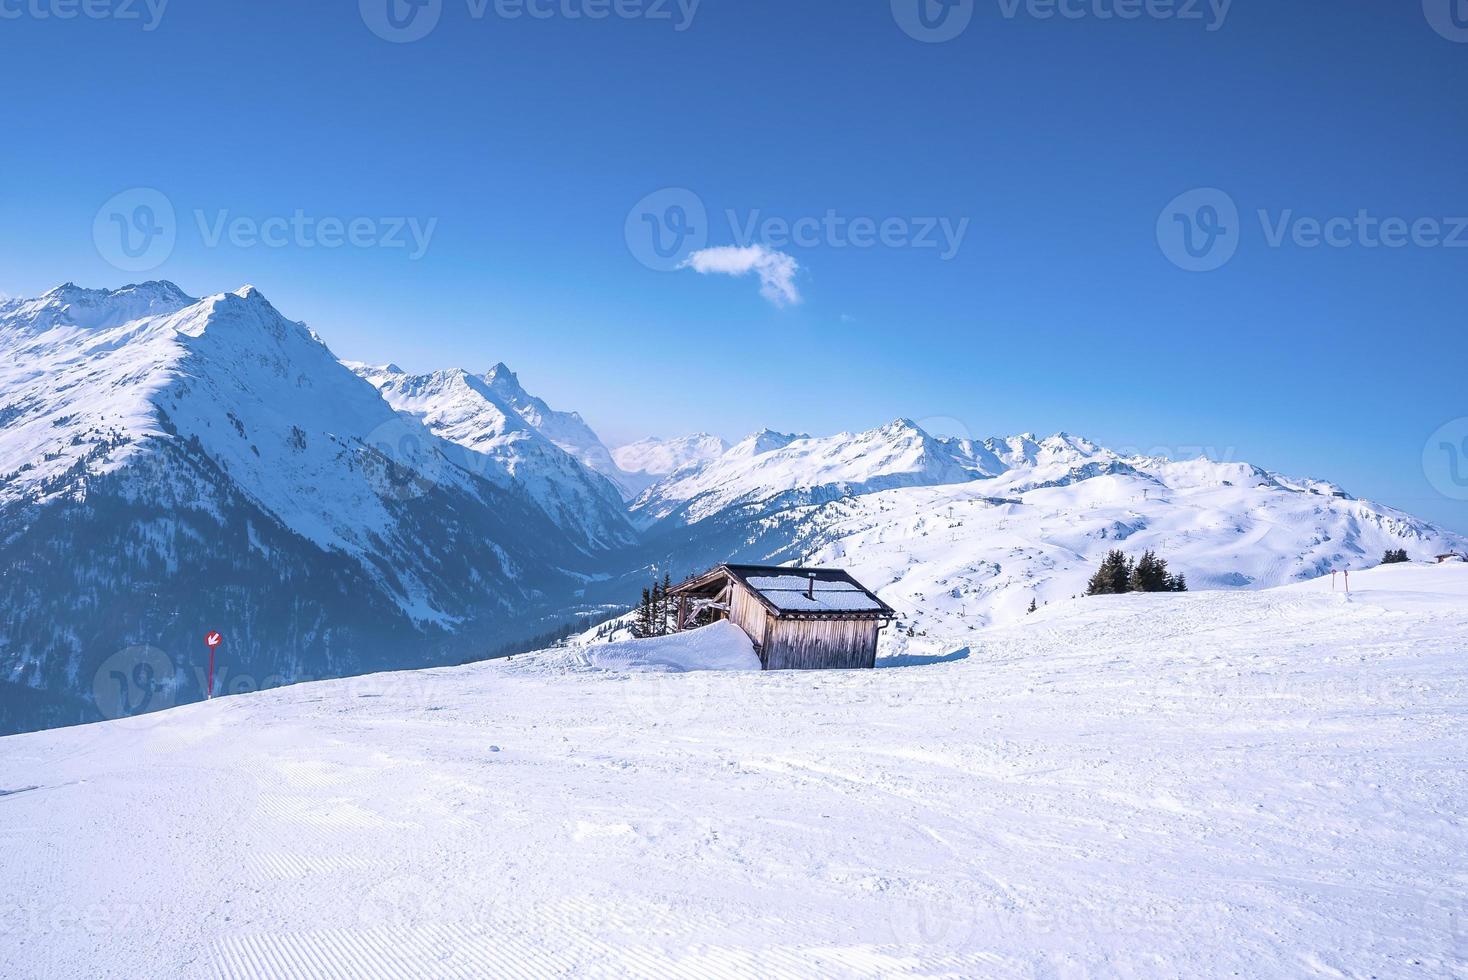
{"type": "Point", "coordinates": [170, 464]}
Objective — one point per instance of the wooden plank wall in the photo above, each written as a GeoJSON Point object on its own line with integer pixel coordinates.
{"type": "Point", "coordinates": [749, 614]}
{"type": "Point", "coordinates": [821, 644]}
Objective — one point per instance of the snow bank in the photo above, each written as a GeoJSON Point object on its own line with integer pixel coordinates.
{"type": "Point", "coordinates": [722, 646]}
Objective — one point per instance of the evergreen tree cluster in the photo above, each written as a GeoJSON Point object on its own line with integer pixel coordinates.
{"type": "Point", "coordinates": [656, 611]}
{"type": "Point", "coordinates": [1119, 574]}
{"type": "Point", "coordinates": [1397, 557]}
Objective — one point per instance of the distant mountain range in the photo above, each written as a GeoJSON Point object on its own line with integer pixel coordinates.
{"type": "Point", "coordinates": [170, 465]}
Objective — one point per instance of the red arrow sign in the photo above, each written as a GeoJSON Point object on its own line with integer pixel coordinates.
{"type": "Point", "coordinates": [212, 639]}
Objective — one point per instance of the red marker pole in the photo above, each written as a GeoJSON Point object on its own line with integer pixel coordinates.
{"type": "Point", "coordinates": [212, 639]}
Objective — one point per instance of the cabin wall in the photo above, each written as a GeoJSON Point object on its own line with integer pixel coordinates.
{"type": "Point", "coordinates": [750, 615]}
{"type": "Point", "coordinates": [821, 644]}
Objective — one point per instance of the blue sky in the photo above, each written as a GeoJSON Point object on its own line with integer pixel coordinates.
{"type": "Point", "coordinates": [1058, 144]}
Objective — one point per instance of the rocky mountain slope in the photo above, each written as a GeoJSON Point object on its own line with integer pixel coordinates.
{"type": "Point", "coordinates": [171, 465]}
{"type": "Point", "coordinates": [468, 410]}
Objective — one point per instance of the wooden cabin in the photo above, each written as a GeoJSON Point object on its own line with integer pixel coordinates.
{"type": "Point", "coordinates": [797, 618]}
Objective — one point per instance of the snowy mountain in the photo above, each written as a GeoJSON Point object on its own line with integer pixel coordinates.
{"type": "Point", "coordinates": [568, 430]}
{"type": "Point", "coordinates": [770, 466]}
{"type": "Point", "coordinates": [957, 534]}
{"type": "Point", "coordinates": [171, 465]}
{"type": "Point", "coordinates": [466, 409]}
{"type": "Point", "coordinates": [648, 460]}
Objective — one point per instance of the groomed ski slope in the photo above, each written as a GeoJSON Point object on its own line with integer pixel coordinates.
{"type": "Point", "coordinates": [1213, 784]}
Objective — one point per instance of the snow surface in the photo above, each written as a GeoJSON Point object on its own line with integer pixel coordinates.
{"type": "Point", "coordinates": [1264, 783]}
{"type": "Point", "coordinates": [721, 646]}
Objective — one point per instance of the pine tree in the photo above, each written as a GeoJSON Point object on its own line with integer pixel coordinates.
{"type": "Point", "coordinates": [1150, 574]}
{"type": "Point", "coordinates": [1178, 583]}
{"type": "Point", "coordinates": [642, 625]}
{"type": "Point", "coordinates": [659, 602]}
{"type": "Point", "coordinates": [1113, 577]}
{"type": "Point", "coordinates": [1033, 605]}
{"type": "Point", "coordinates": [667, 614]}
{"type": "Point", "coordinates": [1396, 557]}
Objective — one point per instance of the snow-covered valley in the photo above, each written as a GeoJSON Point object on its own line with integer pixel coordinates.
{"type": "Point", "coordinates": [1253, 783]}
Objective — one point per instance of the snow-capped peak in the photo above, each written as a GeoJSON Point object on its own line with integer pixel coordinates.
{"type": "Point", "coordinates": [471, 411]}
{"type": "Point", "coordinates": [659, 457]}
{"type": "Point", "coordinates": [70, 305]}
{"type": "Point", "coordinates": [501, 372]}
{"type": "Point", "coordinates": [568, 430]}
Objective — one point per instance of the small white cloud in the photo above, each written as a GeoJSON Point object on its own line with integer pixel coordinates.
{"type": "Point", "coordinates": [776, 270]}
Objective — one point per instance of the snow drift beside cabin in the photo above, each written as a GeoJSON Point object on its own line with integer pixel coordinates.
{"type": "Point", "coordinates": [721, 646]}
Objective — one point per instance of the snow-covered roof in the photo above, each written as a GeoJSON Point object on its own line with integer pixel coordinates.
{"type": "Point", "coordinates": [799, 591]}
